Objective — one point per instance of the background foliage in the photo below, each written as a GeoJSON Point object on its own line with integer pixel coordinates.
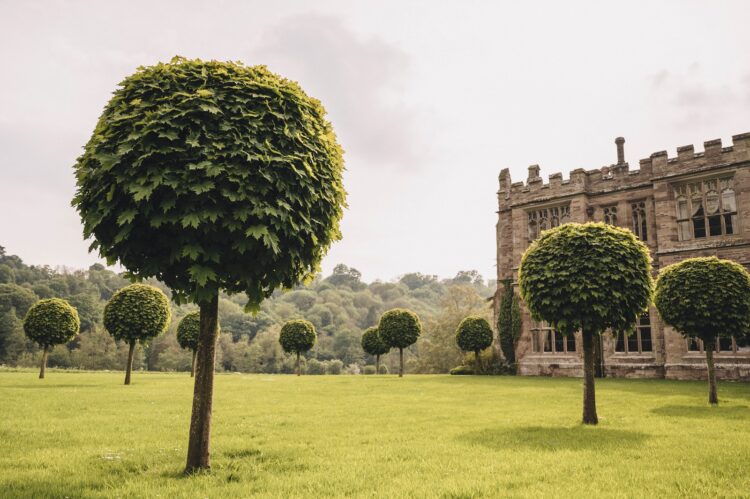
{"type": "Point", "coordinates": [340, 306]}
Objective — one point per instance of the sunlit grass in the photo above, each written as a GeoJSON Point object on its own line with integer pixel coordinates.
{"type": "Point", "coordinates": [87, 435]}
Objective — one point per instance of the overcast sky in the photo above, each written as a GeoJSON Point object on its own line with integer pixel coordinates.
{"type": "Point", "coordinates": [429, 99]}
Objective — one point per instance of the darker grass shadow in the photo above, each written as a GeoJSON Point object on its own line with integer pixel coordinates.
{"type": "Point", "coordinates": [43, 386]}
{"type": "Point", "coordinates": [576, 438]}
{"type": "Point", "coordinates": [704, 411]}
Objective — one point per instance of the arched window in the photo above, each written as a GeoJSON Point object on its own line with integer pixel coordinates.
{"type": "Point", "coordinates": [610, 215]}
{"type": "Point", "coordinates": [640, 227]}
{"type": "Point", "coordinates": [546, 218]}
{"type": "Point", "coordinates": [706, 209]}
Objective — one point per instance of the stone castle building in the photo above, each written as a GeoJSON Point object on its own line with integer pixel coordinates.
{"type": "Point", "coordinates": [695, 204]}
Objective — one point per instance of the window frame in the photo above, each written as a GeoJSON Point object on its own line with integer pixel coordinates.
{"type": "Point", "coordinates": [693, 198]}
{"type": "Point", "coordinates": [543, 336]}
{"type": "Point", "coordinates": [638, 334]}
{"type": "Point", "coordinates": [639, 219]}
{"type": "Point", "coordinates": [539, 219]}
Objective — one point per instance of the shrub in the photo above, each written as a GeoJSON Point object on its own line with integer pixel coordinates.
{"type": "Point", "coordinates": [136, 313]}
{"type": "Point", "coordinates": [474, 334]}
{"type": "Point", "coordinates": [212, 176]}
{"type": "Point", "coordinates": [705, 298]}
{"type": "Point", "coordinates": [383, 369]}
{"type": "Point", "coordinates": [509, 322]}
{"type": "Point", "coordinates": [590, 277]}
{"type": "Point", "coordinates": [188, 331]}
{"type": "Point", "coordinates": [459, 370]}
{"type": "Point", "coordinates": [374, 345]}
{"type": "Point", "coordinates": [399, 328]}
{"type": "Point", "coordinates": [368, 370]}
{"type": "Point", "coordinates": [51, 322]}
{"type": "Point", "coordinates": [314, 366]}
{"type": "Point", "coordinates": [297, 336]}
{"type": "Point", "coordinates": [335, 366]}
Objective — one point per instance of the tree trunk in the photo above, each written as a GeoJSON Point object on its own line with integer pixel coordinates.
{"type": "Point", "coordinates": [192, 365]}
{"type": "Point", "coordinates": [377, 364]}
{"type": "Point", "coordinates": [44, 361]}
{"type": "Point", "coordinates": [200, 421]}
{"type": "Point", "coordinates": [713, 398]}
{"type": "Point", "coordinates": [598, 356]}
{"type": "Point", "coordinates": [401, 363]}
{"type": "Point", "coordinates": [589, 395]}
{"type": "Point", "coordinates": [298, 370]}
{"type": "Point", "coordinates": [477, 362]}
{"type": "Point", "coordinates": [129, 367]}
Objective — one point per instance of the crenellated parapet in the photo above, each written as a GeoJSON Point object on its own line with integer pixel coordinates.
{"type": "Point", "coordinates": [618, 176]}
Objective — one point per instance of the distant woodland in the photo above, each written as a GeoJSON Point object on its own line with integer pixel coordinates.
{"type": "Point", "coordinates": [340, 305]}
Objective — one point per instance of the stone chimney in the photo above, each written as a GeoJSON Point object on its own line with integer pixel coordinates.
{"type": "Point", "coordinates": [620, 141]}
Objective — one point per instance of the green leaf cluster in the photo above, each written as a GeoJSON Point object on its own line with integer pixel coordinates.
{"type": "Point", "coordinates": [705, 298]}
{"type": "Point", "coordinates": [212, 175]}
{"type": "Point", "coordinates": [51, 322]}
{"type": "Point", "coordinates": [188, 331]}
{"type": "Point", "coordinates": [399, 328]}
{"type": "Point", "coordinates": [474, 333]}
{"type": "Point", "coordinates": [509, 321]}
{"type": "Point", "coordinates": [297, 336]}
{"type": "Point", "coordinates": [136, 313]}
{"type": "Point", "coordinates": [372, 343]}
{"type": "Point", "coordinates": [589, 276]}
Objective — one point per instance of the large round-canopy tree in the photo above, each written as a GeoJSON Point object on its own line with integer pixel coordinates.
{"type": "Point", "coordinates": [705, 298]}
{"type": "Point", "coordinates": [587, 277]}
{"type": "Point", "coordinates": [188, 331]}
{"type": "Point", "coordinates": [212, 176]}
{"type": "Point", "coordinates": [51, 322]}
{"type": "Point", "coordinates": [136, 313]}
{"type": "Point", "coordinates": [374, 345]}
{"type": "Point", "coordinates": [399, 328]}
{"type": "Point", "coordinates": [297, 337]}
{"type": "Point", "coordinates": [474, 334]}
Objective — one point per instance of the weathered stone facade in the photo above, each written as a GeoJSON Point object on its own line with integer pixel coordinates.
{"type": "Point", "coordinates": [695, 204]}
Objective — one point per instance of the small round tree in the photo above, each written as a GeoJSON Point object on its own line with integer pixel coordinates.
{"type": "Point", "coordinates": [474, 334]}
{"type": "Point", "coordinates": [373, 345]}
{"type": "Point", "coordinates": [587, 277]}
{"type": "Point", "coordinates": [399, 328]}
{"type": "Point", "coordinates": [188, 331]}
{"type": "Point", "coordinates": [705, 298]}
{"type": "Point", "coordinates": [212, 176]}
{"type": "Point", "coordinates": [297, 336]}
{"type": "Point", "coordinates": [51, 322]}
{"type": "Point", "coordinates": [136, 313]}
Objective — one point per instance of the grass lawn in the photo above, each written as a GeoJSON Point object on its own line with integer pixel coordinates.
{"type": "Point", "coordinates": [87, 435]}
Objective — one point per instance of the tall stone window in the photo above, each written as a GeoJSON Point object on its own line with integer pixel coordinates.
{"type": "Point", "coordinates": [610, 215]}
{"type": "Point", "coordinates": [723, 346]}
{"type": "Point", "coordinates": [546, 218]}
{"type": "Point", "coordinates": [545, 339]}
{"type": "Point", "coordinates": [639, 341]}
{"type": "Point", "coordinates": [706, 208]}
{"type": "Point", "coordinates": [640, 225]}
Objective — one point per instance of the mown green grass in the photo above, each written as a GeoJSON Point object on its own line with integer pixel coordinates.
{"type": "Point", "coordinates": [87, 435]}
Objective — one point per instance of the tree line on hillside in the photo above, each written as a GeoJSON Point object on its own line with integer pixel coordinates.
{"type": "Point", "coordinates": [340, 306]}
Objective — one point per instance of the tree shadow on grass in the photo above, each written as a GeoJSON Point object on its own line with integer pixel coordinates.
{"type": "Point", "coordinates": [704, 411]}
{"type": "Point", "coordinates": [558, 438]}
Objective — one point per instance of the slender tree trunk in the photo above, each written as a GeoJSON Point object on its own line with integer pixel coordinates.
{"type": "Point", "coordinates": [477, 362]}
{"type": "Point", "coordinates": [200, 421]}
{"type": "Point", "coordinates": [598, 356]}
{"type": "Point", "coordinates": [401, 363]}
{"type": "Point", "coordinates": [713, 398]}
{"type": "Point", "coordinates": [298, 370]}
{"type": "Point", "coordinates": [129, 366]}
{"type": "Point", "coordinates": [589, 395]}
{"type": "Point", "coordinates": [377, 364]}
{"type": "Point", "coordinates": [192, 365]}
{"type": "Point", "coordinates": [45, 352]}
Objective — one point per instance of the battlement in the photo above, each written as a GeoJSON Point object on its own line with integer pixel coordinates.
{"type": "Point", "coordinates": [618, 176]}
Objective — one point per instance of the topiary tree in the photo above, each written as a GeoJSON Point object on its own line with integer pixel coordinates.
{"type": "Point", "coordinates": [212, 176]}
{"type": "Point", "coordinates": [509, 322]}
{"type": "Point", "coordinates": [188, 331]}
{"type": "Point", "coordinates": [474, 334]}
{"type": "Point", "coordinates": [399, 328]}
{"type": "Point", "coordinates": [136, 313]}
{"type": "Point", "coordinates": [706, 298]}
{"type": "Point", "coordinates": [297, 336]}
{"type": "Point", "coordinates": [586, 277]}
{"type": "Point", "coordinates": [51, 322]}
{"type": "Point", "coordinates": [373, 344]}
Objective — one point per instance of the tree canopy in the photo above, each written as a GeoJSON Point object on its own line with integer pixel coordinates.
{"type": "Point", "coordinates": [188, 330]}
{"type": "Point", "coordinates": [399, 328]}
{"type": "Point", "coordinates": [297, 336]}
{"type": "Point", "coordinates": [372, 343]}
{"type": "Point", "coordinates": [136, 313]}
{"type": "Point", "coordinates": [474, 333]}
{"type": "Point", "coordinates": [207, 175]}
{"type": "Point", "coordinates": [51, 322]}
